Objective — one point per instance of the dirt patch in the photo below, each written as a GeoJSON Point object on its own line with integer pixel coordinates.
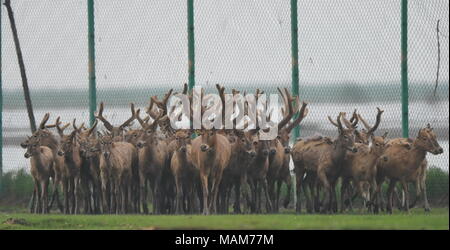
{"type": "Point", "coordinates": [16, 221]}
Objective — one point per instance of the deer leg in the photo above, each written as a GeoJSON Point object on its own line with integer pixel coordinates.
{"type": "Point", "coordinates": [298, 186]}
{"type": "Point", "coordinates": [269, 205]}
{"type": "Point", "coordinates": [326, 185]}
{"type": "Point", "coordinates": [44, 197]}
{"type": "Point", "coordinates": [143, 187]}
{"type": "Point", "coordinates": [406, 191]}
{"type": "Point", "coordinates": [390, 193]}
{"type": "Point", "coordinates": [215, 189]}
{"type": "Point", "coordinates": [204, 180]}
{"type": "Point", "coordinates": [287, 200]}
{"type": "Point", "coordinates": [237, 196]}
{"type": "Point", "coordinates": [344, 188]}
{"type": "Point", "coordinates": [425, 197]}
{"type": "Point", "coordinates": [33, 199]}
{"type": "Point", "coordinates": [179, 199]}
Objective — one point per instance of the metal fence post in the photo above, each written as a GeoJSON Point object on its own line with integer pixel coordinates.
{"type": "Point", "coordinates": [191, 45]}
{"type": "Point", "coordinates": [404, 68]}
{"type": "Point", "coordinates": [294, 51]}
{"type": "Point", "coordinates": [91, 54]}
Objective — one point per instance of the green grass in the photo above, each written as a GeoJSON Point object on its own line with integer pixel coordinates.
{"type": "Point", "coordinates": [416, 219]}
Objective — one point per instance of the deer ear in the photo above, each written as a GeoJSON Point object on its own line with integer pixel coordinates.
{"type": "Point", "coordinates": [385, 135]}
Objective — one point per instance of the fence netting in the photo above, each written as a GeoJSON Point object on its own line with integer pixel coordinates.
{"type": "Point", "coordinates": [349, 58]}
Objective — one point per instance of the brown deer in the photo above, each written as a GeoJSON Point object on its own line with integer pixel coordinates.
{"type": "Point", "coordinates": [116, 167]}
{"type": "Point", "coordinates": [285, 128]}
{"type": "Point", "coordinates": [211, 154]}
{"type": "Point", "coordinates": [185, 174]}
{"type": "Point", "coordinates": [403, 164]}
{"type": "Point", "coordinates": [73, 161]}
{"type": "Point", "coordinates": [324, 160]}
{"type": "Point", "coordinates": [46, 138]}
{"type": "Point", "coordinates": [41, 159]}
{"type": "Point", "coordinates": [153, 159]}
{"type": "Point", "coordinates": [360, 169]}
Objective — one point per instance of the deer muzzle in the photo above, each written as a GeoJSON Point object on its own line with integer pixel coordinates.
{"type": "Point", "coordinates": [27, 155]}
{"type": "Point", "coordinates": [287, 150]}
{"type": "Point", "coordinates": [183, 149]}
{"type": "Point", "coordinates": [440, 150]}
{"type": "Point", "coordinates": [106, 154]}
{"type": "Point", "coordinates": [60, 153]}
{"type": "Point", "coordinates": [273, 151]}
{"type": "Point", "coordinates": [140, 144]}
{"type": "Point", "coordinates": [252, 154]}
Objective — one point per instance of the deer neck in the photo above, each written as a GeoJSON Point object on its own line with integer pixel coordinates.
{"type": "Point", "coordinates": [417, 152]}
{"type": "Point", "coordinates": [339, 151]}
{"type": "Point", "coordinates": [37, 159]}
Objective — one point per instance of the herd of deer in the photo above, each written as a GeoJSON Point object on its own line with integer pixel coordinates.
{"type": "Point", "coordinates": [110, 171]}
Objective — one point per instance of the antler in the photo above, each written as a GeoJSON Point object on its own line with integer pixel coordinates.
{"type": "Point", "coordinates": [337, 124]}
{"type": "Point", "coordinates": [302, 114]}
{"type": "Point", "coordinates": [75, 126]}
{"type": "Point", "coordinates": [288, 117]}
{"type": "Point", "coordinates": [60, 130]}
{"type": "Point", "coordinates": [370, 130]}
{"type": "Point", "coordinates": [89, 132]}
{"type": "Point", "coordinates": [133, 116]}
{"type": "Point", "coordinates": [44, 121]}
{"type": "Point", "coordinates": [353, 120]}
{"type": "Point", "coordinates": [99, 116]}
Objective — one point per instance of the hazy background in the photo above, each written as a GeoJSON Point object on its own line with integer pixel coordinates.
{"type": "Point", "coordinates": [349, 57]}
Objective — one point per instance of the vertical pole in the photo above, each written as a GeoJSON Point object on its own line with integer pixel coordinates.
{"type": "Point", "coordinates": [91, 54]}
{"type": "Point", "coordinates": [404, 68]}
{"type": "Point", "coordinates": [191, 45]}
{"type": "Point", "coordinates": [294, 51]}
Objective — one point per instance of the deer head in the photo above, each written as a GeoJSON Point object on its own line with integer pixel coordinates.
{"type": "Point", "coordinates": [32, 148]}
{"type": "Point", "coordinates": [426, 140]}
{"type": "Point", "coordinates": [345, 139]}
{"type": "Point", "coordinates": [115, 131]}
{"type": "Point", "coordinates": [182, 139]}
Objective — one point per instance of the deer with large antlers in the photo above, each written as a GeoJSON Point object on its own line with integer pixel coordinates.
{"type": "Point", "coordinates": [285, 128]}
{"type": "Point", "coordinates": [360, 167]}
{"type": "Point", "coordinates": [116, 166]}
{"type": "Point", "coordinates": [401, 163]}
{"type": "Point", "coordinates": [323, 160]}
{"type": "Point", "coordinates": [43, 137]}
{"type": "Point", "coordinates": [211, 153]}
{"type": "Point", "coordinates": [153, 159]}
{"type": "Point", "coordinates": [116, 132]}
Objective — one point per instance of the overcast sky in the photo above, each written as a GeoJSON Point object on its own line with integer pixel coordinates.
{"type": "Point", "coordinates": [237, 41]}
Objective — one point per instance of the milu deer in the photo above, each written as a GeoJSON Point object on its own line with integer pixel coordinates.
{"type": "Point", "coordinates": [400, 163]}
{"type": "Point", "coordinates": [46, 138]}
{"type": "Point", "coordinates": [153, 159]}
{"type": "Point", "coordinates": [323, 160]}
{"type": "Point", "coordinates": [285, 128]}
{"type": "Point", "coordinates": [41, 159]}
{"type": "Point", "coordinates": [211, 154]}
{"type": "Point", "coordinates": [116, 167]}
{"type": "Point", "coordinates": [73, 162]}
{"type": "Point", "coordinates": [360, 168]}
{"type": "Point", "coordinates": [185, 174]}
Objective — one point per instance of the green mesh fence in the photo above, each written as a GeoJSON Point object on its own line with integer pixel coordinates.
{"type": "Point", "coordinates": [349, 57]}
